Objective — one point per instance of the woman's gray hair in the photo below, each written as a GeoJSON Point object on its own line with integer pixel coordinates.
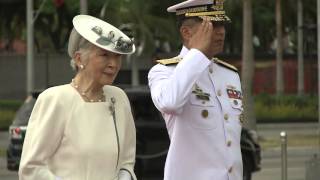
{"type": "Point", "coordinates": [77, 44]}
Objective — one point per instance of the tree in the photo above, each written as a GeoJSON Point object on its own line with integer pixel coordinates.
{"type": "Point", "coordinates": [12, 19]}
{"type": "Point", "coordinates": [54, 22]}
{"type": "Point", "coordinates": [248, 66]}
{"type": "Point", "coordinates": [151, 20]}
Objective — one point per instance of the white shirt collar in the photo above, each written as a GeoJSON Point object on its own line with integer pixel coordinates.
{"type": "Point", "coordinates": [183, 51]}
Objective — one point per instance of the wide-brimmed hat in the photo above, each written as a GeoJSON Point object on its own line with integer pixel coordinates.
{"type": "Point", "coordinates": [212, 9]}
{"type": "Point", "coordinates": [103, 34]}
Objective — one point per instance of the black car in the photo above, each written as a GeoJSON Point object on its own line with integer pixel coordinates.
{"type": "Point", "coordinates": [17, 131]}
{"type": "Point", "coordinates": [152, 137]}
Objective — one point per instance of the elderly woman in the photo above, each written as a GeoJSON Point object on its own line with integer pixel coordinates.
{"type": "Point", "coordinates": [84, 130]}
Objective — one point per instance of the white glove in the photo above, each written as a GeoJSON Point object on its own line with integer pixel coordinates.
{"type": "Point", "coordinates": [124, 175]}
{"type": "Point", "coordinates": [58, 178]}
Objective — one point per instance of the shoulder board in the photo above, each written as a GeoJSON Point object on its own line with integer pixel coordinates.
{"type": "Point", "coordinates": [171, 61]}
{"type": "Point", "coordinates": [224, 64]}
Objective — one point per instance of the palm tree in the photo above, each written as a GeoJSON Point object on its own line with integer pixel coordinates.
{"type": "Point", "coordinates": [248, 66]}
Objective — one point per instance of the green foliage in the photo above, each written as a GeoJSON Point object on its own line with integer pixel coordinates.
{"type": "Point", "coordinates": [10, 104]}
{"type": "Point", "coordinates": [8, 109]}
{"type": "Point", "coordinates": [150, 19]}
{"type": "Point", "coordinates": [2, 152]}
{"type": "Point", "coordinates": [6, 117]}
{"type": "Point", "coordinates": [286, 108]}
{"type": "Point", "coordinates": [54, 23]}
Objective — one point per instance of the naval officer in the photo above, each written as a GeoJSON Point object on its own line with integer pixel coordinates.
{"type": "Point", "coordinates": [200, 98]}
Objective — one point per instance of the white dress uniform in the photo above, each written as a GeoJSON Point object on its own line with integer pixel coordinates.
{"type": "Point", "coordinates": [71, 139]}
{"type": "Point", "coordinates": [201, 102]}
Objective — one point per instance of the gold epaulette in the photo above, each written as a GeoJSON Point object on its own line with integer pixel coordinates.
{"type": "Point", "coordinates": [171, 61]}
{"type": "Point", "coordinates": [224, 64]}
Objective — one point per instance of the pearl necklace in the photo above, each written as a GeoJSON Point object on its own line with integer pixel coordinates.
{"type": "Point", "coordinates": [84, 94]}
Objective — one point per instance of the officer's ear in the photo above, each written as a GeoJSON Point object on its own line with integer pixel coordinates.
{"type": "Point", "coordinates": [185, 32]}
{"type": "Point", "coordinates": [188, 28]}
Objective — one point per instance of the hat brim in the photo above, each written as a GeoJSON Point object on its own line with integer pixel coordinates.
{"type": "Point", "coordinates": [85, 25]}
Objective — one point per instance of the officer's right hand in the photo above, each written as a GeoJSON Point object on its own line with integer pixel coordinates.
{"type": "Point", "coordinates": [201, 40]}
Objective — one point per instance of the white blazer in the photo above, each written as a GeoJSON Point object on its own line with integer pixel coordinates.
{"type": "Point", "coordinates": [70, 139]}
{"type": "Point", "coordinates": [201, 102]}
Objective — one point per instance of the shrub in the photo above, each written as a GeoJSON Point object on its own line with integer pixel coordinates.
{"type": "Point", "coordinates": [8, 109]}
{"type": "Point", "coordinates": [286, 108]}
{"type": "Point", "coordinates": [10, 104]}
{"type": "Point", "coordinates": [6, 117]}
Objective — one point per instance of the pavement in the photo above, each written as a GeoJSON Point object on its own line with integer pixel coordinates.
{"type": "Point", "coordinates": [298, 157]}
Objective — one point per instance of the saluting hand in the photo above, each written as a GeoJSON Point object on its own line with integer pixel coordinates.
{"type": "Point", "coordinates": [201, 40]}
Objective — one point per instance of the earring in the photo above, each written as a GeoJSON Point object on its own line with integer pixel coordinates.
{"type": "Point", "coordinates": [81, 66]}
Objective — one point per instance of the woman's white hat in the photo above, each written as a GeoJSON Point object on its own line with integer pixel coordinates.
{"type": "Point", "coordinates": [102, 34]}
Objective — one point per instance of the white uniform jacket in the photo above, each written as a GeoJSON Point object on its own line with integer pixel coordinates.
{"type": "Point", "coordinates": [70, 139]}
{"type": "Point", "coordinates": [201, 102]}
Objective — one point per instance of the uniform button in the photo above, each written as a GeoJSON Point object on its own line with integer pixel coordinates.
{"type": "Point", "coordinates": [219, 93]}
{"type": "Point", "coordinates": [226, 116]}
{"type": "Point", "coordinates": [230, 169]}
{"type": "Point", "coordinates": [229, 143]}
{"type": "Point", "coordinates": [205, 113]}
{"type": "Point", "coordinates": [210, 70]}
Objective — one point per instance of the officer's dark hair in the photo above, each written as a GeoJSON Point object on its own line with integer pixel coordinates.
{"type": "Point", "coordinates": [182, 20]}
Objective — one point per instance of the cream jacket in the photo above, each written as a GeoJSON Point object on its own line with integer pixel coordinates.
{"type": "Point", "coordinates": [70, 139]}
{"type": "Point", "coordinates": [201, 103]}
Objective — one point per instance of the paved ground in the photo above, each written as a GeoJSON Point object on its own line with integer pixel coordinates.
{"type": "Point", "coordinates": [271, 158]}
{"type": "Point", "coordinates": [4, 173]}
{"type": "Point", "coordinates": [298, 157]}
{"type": "Point", "coordinates": [297, 161]}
